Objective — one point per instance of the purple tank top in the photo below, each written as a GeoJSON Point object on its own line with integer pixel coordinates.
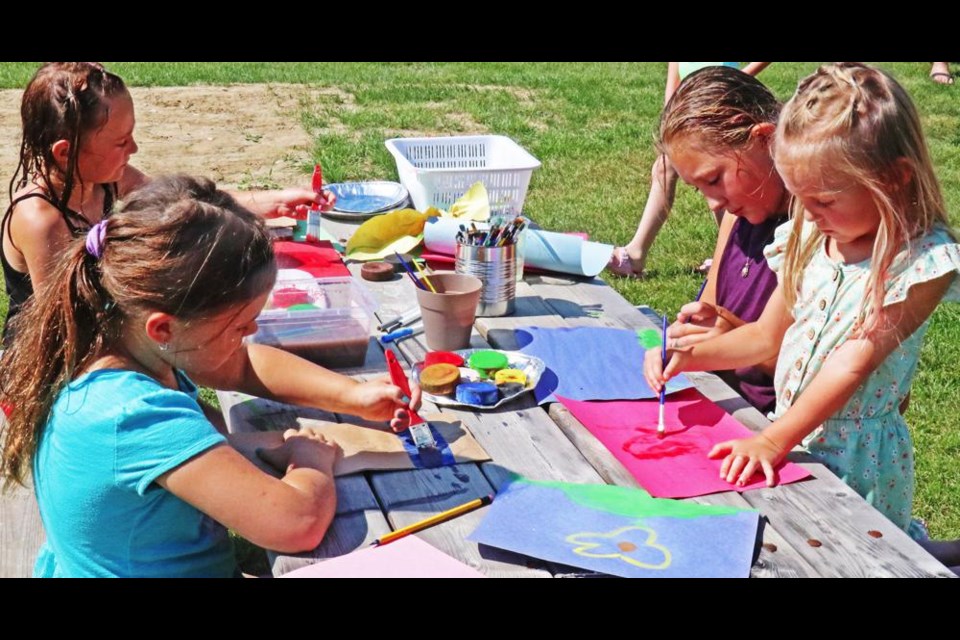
{"type": "Point", "coordinates": [744, 284]}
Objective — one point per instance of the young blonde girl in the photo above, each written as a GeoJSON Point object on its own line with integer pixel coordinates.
{"type": "Point", "coordinates": [78, 136]}
{"type": "Point", "coordinates": [866, 259]}
{"type": "Point", "coordinates": [130, 476]}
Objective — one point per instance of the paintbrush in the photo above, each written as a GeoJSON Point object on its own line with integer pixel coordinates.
{"type": "Point", "coordinates": [419, 429]}
{"type": "Point", "coordinates": [662, 430]}
{"type": "Point", "coordinates": [410, 272]}
{"type": "Point", "coordinates": [423, 275]}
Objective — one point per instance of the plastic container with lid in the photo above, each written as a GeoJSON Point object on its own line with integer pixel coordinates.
{"type": "Point", "coordinates": [325, 320]}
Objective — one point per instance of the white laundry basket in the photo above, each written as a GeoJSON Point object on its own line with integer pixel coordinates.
{"type": "Point", "coordinates": [437, 171]}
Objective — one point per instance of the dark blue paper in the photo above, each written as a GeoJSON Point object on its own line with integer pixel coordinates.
{"type": "Point", "coordinates": [590, 363]}
{"type": "Point", "coordinates": [624, 533]}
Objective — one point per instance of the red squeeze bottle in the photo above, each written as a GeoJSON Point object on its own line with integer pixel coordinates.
{"type": "Point", "coordinates": [317, 184]}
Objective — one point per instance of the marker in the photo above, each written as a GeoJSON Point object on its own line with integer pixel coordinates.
{"type": "Point", "coordinates": [400, 334]}
{"type": "Point", "coordinates": [449, 514]}
{"type": "Point", "coordinates": [401, 320]}
{"type": "Point", "coordinates": [419, 429]}
{"type": "Point", "coordinates": [661, 430]}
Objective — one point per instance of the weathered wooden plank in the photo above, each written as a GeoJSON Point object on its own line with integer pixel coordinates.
{"type": "Point", "coordinates": [524, 440]}
{"type": "Point", "coordinates": [577, 298]}
{"type": "Point", "coordinates": [530, 311]}
{"type": "Point", "coordinates": [21, 532]}
{"type": "Point", "coordinates": [410, 496]}
{"type": "Point", "coordinates": [21, 529]}
{"type": "Point", "coordinates": [830, 525]}
{"type": "Point", "coordinates": [357, 524]}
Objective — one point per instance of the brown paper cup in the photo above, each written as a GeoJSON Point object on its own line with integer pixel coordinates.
{"type": "Point", "coordinates": [448, 315]}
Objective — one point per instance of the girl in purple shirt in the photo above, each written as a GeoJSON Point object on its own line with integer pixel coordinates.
{"type": "Point", "coordinates": [716, 131]}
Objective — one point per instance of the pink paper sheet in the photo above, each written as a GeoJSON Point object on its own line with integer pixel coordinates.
{"type": "Point", "coordinates": [677, 466]}
{"type": "Point", "coordinates": [408, 557]}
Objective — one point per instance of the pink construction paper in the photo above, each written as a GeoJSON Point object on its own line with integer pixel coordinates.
{"type": "Point", "coordinates": [408, 557]}
{"type": "Point", "coordinates": [676, 466]}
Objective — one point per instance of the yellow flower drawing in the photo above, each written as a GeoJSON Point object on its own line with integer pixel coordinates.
{"type": "Point", "coordinates": [621, 544]}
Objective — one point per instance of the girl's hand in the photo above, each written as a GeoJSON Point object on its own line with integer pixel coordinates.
{"type": "Point", "coordinates": [653, 369]}
{"type": "Point", "coordinates": [380, 399]}
{"type": "Point", "coordinates": [303, 448]}
{"type": "Point", "coordinates": [295, 202]}
{"type": "Point", "coordinates": [747, 456]}
{"type": "Point", "coordinates": [696, 322]}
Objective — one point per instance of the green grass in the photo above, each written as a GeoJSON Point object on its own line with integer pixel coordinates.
{"type": "Point", "coordinates": [592, 125]}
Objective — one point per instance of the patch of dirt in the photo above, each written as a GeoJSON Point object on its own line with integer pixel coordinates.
{"type": "Point", "coordinates": [237, 135]}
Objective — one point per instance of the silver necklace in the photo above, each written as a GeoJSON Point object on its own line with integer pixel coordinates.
{"type": "Point", "coordinates": [746, 269]}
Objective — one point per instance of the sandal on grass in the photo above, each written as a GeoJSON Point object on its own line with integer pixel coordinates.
{"type": "Point", "coordinates": [621, 265]}
{"type": "Point", "coordinates": [942, 78]}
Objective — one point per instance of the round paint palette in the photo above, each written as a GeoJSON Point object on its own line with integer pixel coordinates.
{"type": "Point", "coordinates": [531, 366]}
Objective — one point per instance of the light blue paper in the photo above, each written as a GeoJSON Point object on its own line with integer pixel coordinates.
{"type": "Point", "coordinates": [545, 250]}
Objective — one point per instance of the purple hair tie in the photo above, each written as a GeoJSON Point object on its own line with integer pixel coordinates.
{"type": "Point", "coordinates": [95, 239]}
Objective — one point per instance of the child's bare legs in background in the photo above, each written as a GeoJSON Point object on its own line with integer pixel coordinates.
{"type": "Point", "coordinates": [940, 73]}
{"type": "Point", "coordinates": [631, 259]}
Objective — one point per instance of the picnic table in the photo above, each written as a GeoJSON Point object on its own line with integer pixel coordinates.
{"type": "Point", "coordinates": [817, 527]}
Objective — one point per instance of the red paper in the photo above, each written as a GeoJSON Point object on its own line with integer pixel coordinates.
{"type": "Point", "coordinates": [676, 466]}
{"type": "Point", "coordinates": [319, 259]}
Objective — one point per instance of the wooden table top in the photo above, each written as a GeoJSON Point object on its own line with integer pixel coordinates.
{"type": "Point", "coordinates": [818, 527]}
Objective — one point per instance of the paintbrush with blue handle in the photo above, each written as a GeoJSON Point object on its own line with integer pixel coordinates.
{"type": "Point", "coordinates": [661, 429]}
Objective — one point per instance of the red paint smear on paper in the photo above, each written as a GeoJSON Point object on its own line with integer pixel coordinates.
{"type": "Point", "coordinates": [676, 466]}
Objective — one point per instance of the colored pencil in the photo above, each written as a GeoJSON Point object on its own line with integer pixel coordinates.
{"type": "Point", "coordinates": [434, 519]}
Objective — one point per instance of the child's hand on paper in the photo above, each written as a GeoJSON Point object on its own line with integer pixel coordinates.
{"type": "Point", "coordinates": [380, 399]}
{"type": "Point", "coordinates": [747, 456]}
{"type": "Point", "coordinates": [303, 448]}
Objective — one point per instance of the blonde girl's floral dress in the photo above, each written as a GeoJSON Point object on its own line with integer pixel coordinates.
{"type": "Point", "coordinates": [867, 443]}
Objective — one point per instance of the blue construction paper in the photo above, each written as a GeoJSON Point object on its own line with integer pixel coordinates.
{"type": "Point", "coordinates": [590, 363]}
{"type": "Point", "coordinates": [652, 537]}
